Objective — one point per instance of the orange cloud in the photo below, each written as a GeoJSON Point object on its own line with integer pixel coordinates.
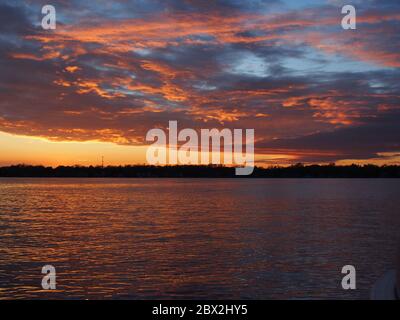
{"type": "Point", "coordinates": [72, 69]}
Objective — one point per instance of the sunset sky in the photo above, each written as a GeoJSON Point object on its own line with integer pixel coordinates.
{"type": "Point", "coordinates": [112, 70]}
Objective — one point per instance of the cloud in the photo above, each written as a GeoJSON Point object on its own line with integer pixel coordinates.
{"type": "Point", "coordinates": [380, 135]}
{"type": "Point", "coordinates": [112, 71]}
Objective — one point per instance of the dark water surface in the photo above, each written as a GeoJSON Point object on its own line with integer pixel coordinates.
{"type": "Point", "coordinates": [196, 238]}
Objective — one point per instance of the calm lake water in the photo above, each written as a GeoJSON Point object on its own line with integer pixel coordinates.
{"type": "Point", "coordinates": [196, 238]}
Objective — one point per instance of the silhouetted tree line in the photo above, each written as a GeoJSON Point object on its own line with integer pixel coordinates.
{"type": "Point", "coordinates": [210, 171]}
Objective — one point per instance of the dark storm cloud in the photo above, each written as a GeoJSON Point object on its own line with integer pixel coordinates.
{"type": "Point", "coordinates": [13, 20]}
{"type": "Point", "coordinates": [358, 142]}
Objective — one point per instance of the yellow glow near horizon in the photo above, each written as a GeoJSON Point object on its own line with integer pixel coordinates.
{"type": "Point", "coordinates": [15, 149]}
{"type": "Point", "coordinates": [388, 158]}
{"type": "Point", "coordinates": [39, 151]}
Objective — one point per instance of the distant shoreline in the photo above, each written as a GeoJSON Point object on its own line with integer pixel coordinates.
{"type": "Point", "coordinates": [210, 171]}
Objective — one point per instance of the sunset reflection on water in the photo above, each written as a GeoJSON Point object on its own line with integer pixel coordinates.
{"type": "Point", "coordinates": [195, 238]}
